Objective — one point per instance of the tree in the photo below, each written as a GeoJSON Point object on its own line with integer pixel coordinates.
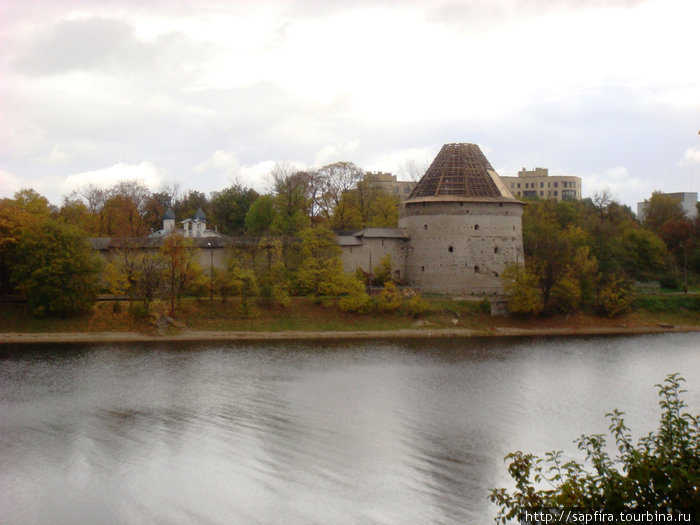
{"type": "Point", "coordinates": [260, 216]}
{"type": "Point", "coordinates": [293, 200]}
{"type": "Point", "coordinates": [557, 255]}
{"type": "Point", "coordinates": [56, 270]}
{"type": "Point", "coordinates": [321, 269]}
{"type": "Point", "coordinates": [661, 472]}
{"type": "Point", "coordinates": [181, 266]}
{"type": "Point", "coordinates": [229, 208]}
{"type": "Point", "coordinates": [336, 181]}
{"type": "Point", "coordinates": [186, 207]}
{"type": "Point", "coordinates": [660, 209]}
{"type": "Point", "coordinates": [522, 291]}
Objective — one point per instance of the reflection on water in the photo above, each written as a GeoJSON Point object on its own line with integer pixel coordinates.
{"type": "Point", "coordinates": [406, 432]}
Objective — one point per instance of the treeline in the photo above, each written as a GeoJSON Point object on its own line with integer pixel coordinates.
{"type": "Point", "coordinates": [287, 246]}
{"type": "Point", "coordinates": [339, 195]}
{"type": "Point", "coordinates": [590, 255]}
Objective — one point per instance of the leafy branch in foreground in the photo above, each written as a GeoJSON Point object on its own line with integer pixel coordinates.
{"type": "Point", "coordinates": [661, 472]}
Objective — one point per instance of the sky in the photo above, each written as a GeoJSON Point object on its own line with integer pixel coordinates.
{"type": "Point", "coordinates": [210, 93]}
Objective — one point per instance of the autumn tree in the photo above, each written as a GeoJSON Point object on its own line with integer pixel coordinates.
{"type": "Point", "coordinates": [321, 269]}
{"type": "Point", "coordinates": [56, 269]}
{"type": "Point", "coordinates": [660, 209]}
{"type": "Point", "coordinates": [24, 210]}
{"type": "Point", "coordinates": [557, 254]}
{"type": "Point", "coordinates": [181, 266]}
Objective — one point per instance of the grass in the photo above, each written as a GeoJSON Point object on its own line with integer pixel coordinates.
{"type": "Point", "coordinates": [305, 314]}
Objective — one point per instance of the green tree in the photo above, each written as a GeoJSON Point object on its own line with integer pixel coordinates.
{"type": "Point", "coordinates": [260, 216]}
{"type": "Point", "coordinates": [660, 472]}
{"type": "Point", "coordinates": [229, 208]}
{"type": "Point", "coordinates": [56, 269]}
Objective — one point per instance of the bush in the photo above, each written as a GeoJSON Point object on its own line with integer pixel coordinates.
{"type": "Point", "coordinates": [616, 298]}
{"type": "Point", "coordinates": [357, 301]}
{"type": "Point", "coordinates": [662, 472]}
{"type": "Point", "coordinates": [389, 298]}
{"type": "Point", "coordinates": [522, 291]}
{"type": "Point", "coordinates": [416, 306]}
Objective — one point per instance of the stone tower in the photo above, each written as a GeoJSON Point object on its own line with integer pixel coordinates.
{"type": "Point", "coordinates": [465, 226]}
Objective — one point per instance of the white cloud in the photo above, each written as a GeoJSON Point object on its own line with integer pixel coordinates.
{"type": "Point", "coordinates": [617, 181]}
{"type": "Point", "coordinates": [55, 157]}
{"type": "Point", "coordinates": [220, 160]}
{"type": "Point", "coordinates": [335, 152]}
{"type": "Point", "coordinates": [691, 157]}
{"type": "Point", "coordinates": [9, 183]}
{"type": "Point", "coordinates": [145, 172]}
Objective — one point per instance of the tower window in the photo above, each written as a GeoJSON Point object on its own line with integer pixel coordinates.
{"type": "Point", "coordinates": [450, 249]}
{"type": "Point", "coordinates": [476, 226]}
{"type": "Point", "coordinates": [495, 249]}
{"type": "Point", "coordinates": [422, 268]}
{"type": "Point", "coordinates": [425, 226]}
{"type": "Point", "coordinates": [476, 269]}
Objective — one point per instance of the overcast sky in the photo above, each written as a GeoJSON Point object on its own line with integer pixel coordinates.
{"type": "Point", "coordinates": [207, 93]}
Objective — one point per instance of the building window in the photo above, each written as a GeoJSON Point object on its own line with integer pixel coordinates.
{"type": "Point", "coordinates": [556, 193]}
{"type": "Point", "coordinates": [495, 249]}
{"type": "Point", "coordinates": [476, 226]}
{"type": "Point", "coordinates": [541, 194]}
{"type": "Point", "coordinates": [476, 269]}
{"type": "Point", "coordinates": [541, 184]}
{"type": "Point", "coordinates": [450, 249]}
{"type": "Point", "coordinates": [422, 268]}
{"type": "Point", "coordinates": [556, 184]}
{"type": "Point", "coordinates": [518, 185]}
{"type": "Point", "coordinates": [425, 226]}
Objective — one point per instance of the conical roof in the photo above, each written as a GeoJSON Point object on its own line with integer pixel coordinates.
{"type": "Point", "coordinates": [169, 214]}
{"type": "Point", "coordinates": [199, 214]}
{"type": "Point", "coordinates": [460, 172]}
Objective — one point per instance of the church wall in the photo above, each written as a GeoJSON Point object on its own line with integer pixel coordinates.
{"type": "Point", "coordinates": [461, 248]}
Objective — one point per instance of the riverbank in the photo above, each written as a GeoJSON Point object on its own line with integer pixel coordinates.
{"type": "Point", "coordinates": [209, 335]}
{"type": "Point", "coordinates": [307, 319]}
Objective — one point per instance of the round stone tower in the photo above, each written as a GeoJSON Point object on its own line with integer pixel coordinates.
{"type": "Point", "coordinates": [464, 224]}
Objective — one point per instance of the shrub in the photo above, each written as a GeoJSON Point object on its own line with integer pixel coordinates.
{"type": "Point", "coordinates": [357, 301]}
{"type": "Point", "coordinates": [416, 306]}
{"type": "Point", "coordinates": [616, 297]}
{"type": "Point", "coordinates": [522, 291]}
{"type": "Point", "coordinates": [662, 472]}
{"type": "Point", "coordinates": [389, 298]}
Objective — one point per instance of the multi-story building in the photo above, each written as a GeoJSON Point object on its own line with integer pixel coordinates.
{"type": "Point", "coordinates": [538, 183]}
{"type": "Point", "coordinates": [688, 201]}
{"type": "Point", "coordinates": [388, 183]}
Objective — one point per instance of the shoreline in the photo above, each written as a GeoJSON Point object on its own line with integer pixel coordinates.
{"type": "Point", "coordinates": [235, 336]}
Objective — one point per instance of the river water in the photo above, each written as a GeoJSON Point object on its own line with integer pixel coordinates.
{"type": "Point", "coordinates": [354, 432]}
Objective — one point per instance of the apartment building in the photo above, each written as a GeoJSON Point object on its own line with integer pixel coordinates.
{"type": "Point", "coordinates": [538, 183]}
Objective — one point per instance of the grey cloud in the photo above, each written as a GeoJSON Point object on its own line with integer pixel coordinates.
{"type": "Point", "coordinates": [110, 45]}
{"type": "Point", "coordinates": [79, 45]}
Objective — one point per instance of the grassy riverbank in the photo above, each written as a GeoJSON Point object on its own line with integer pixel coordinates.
{"type": "Point", "coordinates": [311, 316]}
